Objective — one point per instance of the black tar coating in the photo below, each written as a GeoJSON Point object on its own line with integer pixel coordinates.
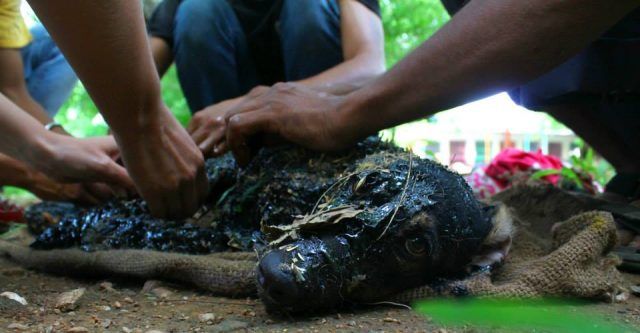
{"type": "Point", "coordinates": [280, 183]}
{"type": "Point", "coordinates": [357, 260]}
{"type": "Point", "coordinates": [347, 262]}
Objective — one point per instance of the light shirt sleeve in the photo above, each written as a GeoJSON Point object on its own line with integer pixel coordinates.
{"type": "Point", "coordinates": [13, 31]}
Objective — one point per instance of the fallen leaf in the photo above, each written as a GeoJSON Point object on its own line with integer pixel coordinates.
{"type": "Point", "coordinates": [67, 301]}
{"type": "Point", "coordinates": [13, 296]}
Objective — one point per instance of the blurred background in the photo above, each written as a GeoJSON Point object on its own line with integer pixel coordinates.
{"type": "Point", "coordinates": [464, 138]}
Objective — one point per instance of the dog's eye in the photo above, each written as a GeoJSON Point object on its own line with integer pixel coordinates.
{"type": "Point", "coordinates": [416, 246]}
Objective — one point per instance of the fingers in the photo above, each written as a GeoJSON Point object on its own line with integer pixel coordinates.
{"type": "Point", "coordinates": [193, 125]}
{"type": "Point", "coordinates": [108, 145]}
{"type": "Point", "coordinates": [207, 131]}
{"type": "Point", "coordinates": [85, 197]}
{"type": "Point", "coordinates": [242, 127]}
{"type": "Point", "coordinates": [251, 102]}
{"type": "Point", "coordinates": [174, 206]}
{"type": "Point", "coordinates": [157, 205]}
{"type": "Point", "coordinates": [100, 191]}
{"type": "Point", "coordinates": [202, 183]}
{"type": "Point", "coordinates": [220, 149]}
{"type": "Point", "coordinates": [115, 174]}
{"type": "Point", "coordinates": [213, 139]}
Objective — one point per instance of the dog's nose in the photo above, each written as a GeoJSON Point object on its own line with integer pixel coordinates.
{"type": "Point", "coordinates": [278, 284]}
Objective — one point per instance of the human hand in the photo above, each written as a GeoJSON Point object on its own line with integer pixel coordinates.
{"type": "Point", "coordinates": [48, 189]}
{"type": "Point", "coordinates": [207, 127]}
{"type": "Point", "coordinates": [291, 112]}
{"type": "Point", "coordinates": [70, 160]}
{"type": "Point", "coordinates": [165, 164]}
{"type": "Point", "coordinates": [17, 173]}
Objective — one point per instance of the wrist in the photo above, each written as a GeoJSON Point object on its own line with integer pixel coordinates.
{"type": "Point", "coordinates": [148, 117]}
{"type": "Point", "coordinates": [15, 173]}
{"type": "Point", "coordinates": [41, 149]}
{"type": "Point", "coordinates": [353, 118]}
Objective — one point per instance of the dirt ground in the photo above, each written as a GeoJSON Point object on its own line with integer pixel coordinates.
{"type": "Point", "coordinates": [123, 306]}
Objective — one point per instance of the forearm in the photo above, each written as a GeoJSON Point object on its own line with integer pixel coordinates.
{"type": "Point", "coordinates": [21, 136]}
{"type": "Point", "coordinates": [488, 47]}
{"type": "Point", "coordinates": [14, 172]}
{"type": "Point", "coordinates": [106, 43]}
{"type": "Point", "coordinates": [14, 86]}
{"type": "Point", "coordinates": [362, 40]}
{"type": "Point", "coordinates": [22, 99]}
{"type": "Point", "coordinates": [162, 56]}
{"type": "Point", "coordinates": [348, 76]}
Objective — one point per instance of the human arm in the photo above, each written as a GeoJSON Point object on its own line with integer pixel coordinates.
{"type": "Point", "coordinates": [14, 85]}
{"type": "Point", "coordinates": [488, 47]}
{"type": "Point", "coordinates": [160, 28]}
{"type": "Point", "coordinates": [16, 173]}
{"type": "Point", "coordinates": [362, 39]}
{"type": "Point", "coordinates": [59, 156]}
{"type": "Point", "coordinates": [106, 44]}
{"type": "Point", "coordinates": [162, 56]}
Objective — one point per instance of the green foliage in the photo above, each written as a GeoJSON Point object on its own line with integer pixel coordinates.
{"type": "Point", "coordinates": [588, 163]}
{"type": "Point", "coordinates": [510, 315]}
{"type": "Point", "coordinates": [173, 97]}
{"type": "Point", "coordinates": [80, 116]}
{"type": "Point", "coordinates": [564, 173]}
{"type": "Point", "coordinates": [408, 23]}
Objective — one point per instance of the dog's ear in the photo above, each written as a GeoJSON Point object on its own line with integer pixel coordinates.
{"type": "Point", "coordinates": [498, 242]}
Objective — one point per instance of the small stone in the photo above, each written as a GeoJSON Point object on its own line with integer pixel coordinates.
{"type": "Point", "coordinates": [128, 300]}
{"type": "Point", "coordinates": [635, 290]}
{"type": "Point", "coordinates": [18, 326]}
{"type": "Point", "coordinates": [15, 297]}
{"type": "Point", "coordinates": [249, 313]}
{"type": "Point", "coordinates": [391, 320]}
{"type": "Point", "coordinates": [126, 329]}
{"type": "Point", "coordinates": [150, 285]}
{"type": "Point", "coordinates": [106, 323]}
{"type": "Point", "coordinates": [13, 272]}
{"type": "Point", "coordinates": [117, 305]}
{"type": "Point", "coordinates": [229, 325]}
{"type": "Point", "coordinates": [105, 308]}
{"type": "Point", "coordinates": [78, 329]}
{"type": "Point", "coordinates": [621, 297]}
{"type": "Point", "coordinates": [161, 292]}
{"type": "Point", "coordinates": [206, 317]}
{"type": "Point", "coordinates": [107, 286]}
{"type": "Point", "coordinates": [68, 301]}
{"type": "Point", "coordinates": [155, 331]}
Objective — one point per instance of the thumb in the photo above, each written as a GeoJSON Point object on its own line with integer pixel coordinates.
{"type": "Point", "coordinates": [108, 145]}
{"type": "Point", "coordinates": [116, 174]}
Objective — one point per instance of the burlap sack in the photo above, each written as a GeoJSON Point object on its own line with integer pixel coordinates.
{"type": "Point", "coordinates": [576, 265]}
{"type": "Point", "coordinates": [570, 259]}
{"type": "Point", "coordinates": [226, 274]}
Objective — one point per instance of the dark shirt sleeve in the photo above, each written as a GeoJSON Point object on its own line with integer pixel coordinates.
{"type": "Point", "coordinates": [161, 23]}
{"type": "Point", "coordinates": [373, 5]}
{"type": "Point", "coordinates": [453, 6]}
